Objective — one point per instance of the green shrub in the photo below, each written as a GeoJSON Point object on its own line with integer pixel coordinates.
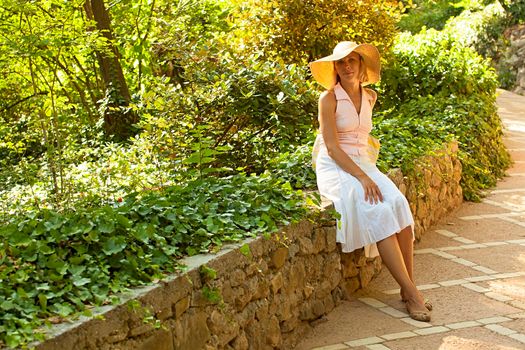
{"type": "Point", "coordinates": [56, 264]}
{"type": "Point", "coordinates": [515, 10]}
{"type": "Point", "coordinates": [298, 31]}
{"type": "Point", "coordinates": [435, 89]}
{"type": "Point", "coordinates": [481, 29]}
{"type": "Point", "coordinates": [429, 14]}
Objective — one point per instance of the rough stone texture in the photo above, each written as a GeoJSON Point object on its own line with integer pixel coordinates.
{"type": "Point", "coordinates": [266, 299]}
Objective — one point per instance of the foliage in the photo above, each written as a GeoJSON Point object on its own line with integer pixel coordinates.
{"type": "Point", "coordinates": [481, 29]}
{"type": "Point", "coordinates": [434, 90]}
{"type": "Point", "coordinates": [298, 31]}
{"type": "Point", "coordinates": [429, 14]}
{"type": "Point", "coordinates": [515, 10]}
{"type": "Point", "coordinates": [59, 264]}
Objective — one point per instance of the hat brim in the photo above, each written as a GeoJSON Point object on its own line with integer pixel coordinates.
{"type": "Point", "coordinates": [324, 73]}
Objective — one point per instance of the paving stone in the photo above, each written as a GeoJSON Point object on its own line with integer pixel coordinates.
{"type": "Point", "coordinates": [479, 278]}
{"type": "Point", "coordinates": [372, 302]}
{"type": "Point", "coordinates": [452, 282]}
{"type": "Point", "coordinates": [446, 233]}
{"type": "Point", "coordinates": [463, 262]}
{"type": "Point", "coordinates": [498, 297]}
{"type": "Point", "coordinates": [518, 304]}
{"type": "Point", "coordinates": [507, 275]}
{"type": "Point", "coordinates": [478, 338]}
{"type": "Point", "coordinates": [475, 288]}
{"type": "Point", "coordinates": [364, 341]}
{"type": "Point", "coordinates": [500, 329]}
{"type": "Point", "coordinates": [332, 347]}
{"type": "Point", "coordinates": [425, 251]}
{"type": "Point", "coordinates": [400, 335]}
{"type": "Point", "coordinates": [447, 249]}
{"type": "Point", "coordinates": [473, 246]}
{"type": "Point", "coordinates": [463, 240]}
{"type": "Point", "coordinates": [428, 286]}
{"type": "Point", "coordinates": [418, 324]}
{"type": "Point", "coordinates": [518, 336]}
{"type": "Point", "coordinates": [432, 330]}
{"type": "Point", "coordinates": [501, 258]}
{"type": "Point", "coordinates": [496, 319]}
{"type": "Point", "coordinates": [392, 312]}
{"type": "Point", "coordinates": [392, 291]}
{"type": "Point", "coordinates": [484, 270]}
{"type": "Point", "coordinates": [378, 347]}
{"type": "Point", "coordinates": [494, 244]}
{"type": "Point", "coordinates": [445, 255]}
{"type": "Point", "coordinates": [460, 325]}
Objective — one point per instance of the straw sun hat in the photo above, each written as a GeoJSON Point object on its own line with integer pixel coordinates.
{"type": "Point", "coordinates": [324, 72]}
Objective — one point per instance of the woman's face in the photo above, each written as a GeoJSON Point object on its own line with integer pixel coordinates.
{"type": "Point", "coordinates": [349, 67]}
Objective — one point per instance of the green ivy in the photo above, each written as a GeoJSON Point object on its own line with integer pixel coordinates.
{"type": "Point", "coordinates": [57, 264]}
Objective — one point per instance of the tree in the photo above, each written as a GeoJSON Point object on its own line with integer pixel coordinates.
{"type": "Point", "coordinates": [118, 119]}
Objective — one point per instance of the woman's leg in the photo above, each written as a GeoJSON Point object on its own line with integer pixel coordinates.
{"type": "Point", "coordinates": [406, 244]}
{"type": "Point", "coordinates": [390, 252]}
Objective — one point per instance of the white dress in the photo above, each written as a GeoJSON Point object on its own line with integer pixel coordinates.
{"type": "Point", "coordinates": [361, 224]}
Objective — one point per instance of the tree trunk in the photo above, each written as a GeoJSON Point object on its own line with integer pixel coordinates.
{"type": "Point", "coordinates": [117, 122]}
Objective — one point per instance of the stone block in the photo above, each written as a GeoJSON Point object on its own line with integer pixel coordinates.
{"type": "Point", "coordinates": [319, 240]}
{"type": "Point", "coordinates": [279, 257]}
{"type": "Point", "coordinates": [348, 266]}
{"type": "Point", "coordinates": [349, 286]}
{"type": "Point", "coordinates": [289, 325]}
{"type": "Point", "coordinates": [273, 332]}
{"type": "Point", "coordinates": [293, 250]}
{"type": "Point", "coordinates": [308, 290]}
{"type": "Point", "coordinates": [261, 311]}
{"type": "Point", "coordinates": [303, 228]}
{"type": "Point", "coordinates": [323, 290]}
{"type": "Point", "coordinates": [247, 315]}
{"type": "Point", "coordinates": [262, 289]}
{"type": "Point", "coordinates": [237, 277]}
{"type": "Point", "coordinates": [225, 328]}
{"type": "Point", "coordinates": [140, 329]}
{"type": "Point", "coordinates": [306, 312]}
{"type": "Point", "coordinates": [277, 282]}
{"type": "Point", "coordinates": [318, 308]}
{"type": "Point", "coordinates": [164, 313]}
{"type": "Point", "coordinates": [159, 340]}
{"type": "Point", "coordinates": [243, 295]}
{"type": "Point", "coordinates": [330, 234]}
{"type": "Point", "coordinates": [297, 275]}
{"type": "Point", "coordinates": [181, 306]}
{"type": "Point", "coordinates": [241, 342]}
{"type": "Point", "coordinates": [328, 303]}
{"type": "Point", "coordinates": [192, 330]}
{"type": "Point", "coordinates": [306, 246]}
{"type": "Point", "coordinates": [257, 247]}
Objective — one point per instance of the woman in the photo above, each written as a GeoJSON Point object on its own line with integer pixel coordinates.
{"type": "Point", "coordinates": [374, 213]}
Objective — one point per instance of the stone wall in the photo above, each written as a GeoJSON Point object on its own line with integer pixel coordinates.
{"type": "Point", "coordinates": [264, 293]}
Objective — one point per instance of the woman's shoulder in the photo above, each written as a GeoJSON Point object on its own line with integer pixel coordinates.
{"type": "Point", "coordinates": [372, 95]}
{"type": "Point", "coordinates": [371, 92]}
{"type": "Point", "coordinates": [327, 96]}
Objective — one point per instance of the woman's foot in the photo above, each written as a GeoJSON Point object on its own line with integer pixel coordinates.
{"type": "Point", "coordinates": [428, 303]}
{"type": "Point", "coordinates": [417, 309]}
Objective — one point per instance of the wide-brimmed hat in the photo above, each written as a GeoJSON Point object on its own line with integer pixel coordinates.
{"type": "Point", "coordinates": [324, 72]}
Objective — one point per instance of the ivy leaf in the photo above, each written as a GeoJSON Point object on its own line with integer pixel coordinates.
{"type": "Point", "coordinates": [80, 281]}
{"type": "Point", "coordinates": [114, 245]}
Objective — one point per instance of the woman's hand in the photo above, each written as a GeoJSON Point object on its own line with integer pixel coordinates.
{"type": "Point", "coordinates": [372, 192]}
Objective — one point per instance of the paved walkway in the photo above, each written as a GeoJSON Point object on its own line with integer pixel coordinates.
{"type": "Point", "coordinates": [471, 266]}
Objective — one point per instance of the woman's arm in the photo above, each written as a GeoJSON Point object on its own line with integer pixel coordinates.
{"type": "Point", "coordinates": [327, 106]}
